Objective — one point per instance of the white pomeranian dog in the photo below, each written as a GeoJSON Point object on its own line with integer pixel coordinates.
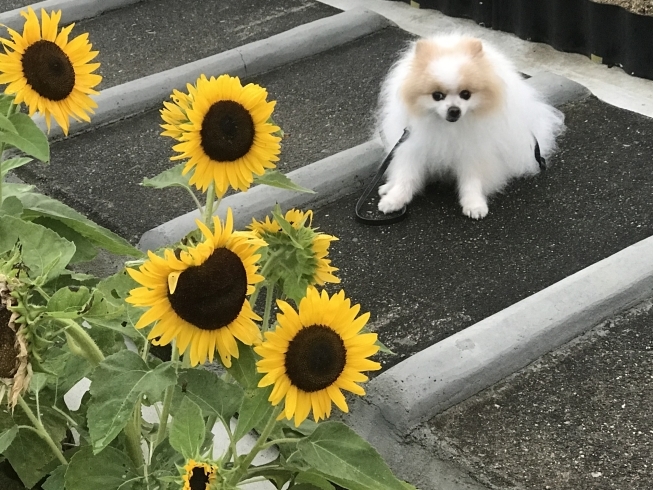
{"type": "Point", "coordinates": [470, 117]}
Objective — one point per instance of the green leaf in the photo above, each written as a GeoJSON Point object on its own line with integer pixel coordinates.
{"type": "Point", "coordinates": [7, 437]}
{"type": "Point", "coordinates": [84, 248]}
{"type": "Point", "coordinates": [254, 409]}
{"type": "Point", "coordinates": [38, 381]}
{"type": "Point", "coordinates": [116, 384]}
{"type": "Point", "coordinates": [37, 205]}
{"type": "Point", "coordinates": [243, 369]}
{"type": "Point", "coordinates": [68, 303]}
{"type": "Point", "coordinates": [28, 138]}
{"type": "Point", "coordinates": [56, 479]}
{"type": "Point", "coordinates": [213, 395]}
{"type": "Point", "coordinates": [171, 177]}
{"type": "Point", "coordinates": [12, 163]}
{"type": "Point", "coordinates": [345, 458]}
{"type": "Point", "coordinates": [6, 125]}
{"type": "Point", "coordinates": [187, 429]}
{"type": "Point", "coordinates": [5, 103]}
{"type": "Point", "coordinates": [43, 249]}
{"type": "Point", "coordinates": [274, 178]}
{"type": "Point", "coordinates": [29, 456]}
{"type": "Point", "coordinates": [314, 480]}
{"type": "Point", "coordinates": [109, 470]}
{"type": "Point", "coordinates": [11, 206]}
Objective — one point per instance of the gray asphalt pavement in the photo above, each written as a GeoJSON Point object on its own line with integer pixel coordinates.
{"type": "Point", "coordinates": [578, 419]}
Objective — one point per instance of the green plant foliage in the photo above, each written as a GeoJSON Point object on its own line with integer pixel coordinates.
{"type": "Point", "coordinates": [188, 429]}
{"type": "Point", "coordinates": [274, 178]}
{"type": "Point", "coordinates": [116, 385]}
{"type": "Point", "coordinates": [213, 395]}
{"type": "Point", "coordinates": [144, 418]}
{"type": "Point", "coordinates": [43, 251]}
{"type": "Point", "coordinates": [171, 177]}
{"type": "Point", "coordinates": [39, 206]}
{"type": "Point", "coordinates": [26, 136]}
{"type": "Point", "coordinates": [345, 458]}
{"type": "Point", "coordinates": [12, 163]}
{"type": "Point", "coordinates": [109, 470]}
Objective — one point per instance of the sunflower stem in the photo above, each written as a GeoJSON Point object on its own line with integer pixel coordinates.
{"type": "Point", "coordinates": [243, 466]}
{"type": "Point", "coordinates": [167, 401]}
{"type": "Point", "coordinates": [197, 201]}
{"type": "Point", "coordinates": [269, 297]}
{"type": "Point", "coordinates": [208, 207]}
{"type": "Point", "coordinates": [89, 348]}
{"type": "Point", "coordinates": [266, 267]}
{"type": "Point", "coordinates": [40, 430]}
{"type": "Point", "coordinates": [232, 450]}
{"type": "Point", "coordinates": [133, 438]}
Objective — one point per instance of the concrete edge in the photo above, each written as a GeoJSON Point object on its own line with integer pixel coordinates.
{"type": "Point", "coordinates": [331, 178]}
{"type": "Point", "coordinates": [410, 459]}
{"type": "Point", "coordinates": [71, 10]}
{"type": "Point", "coordinates": [469, 361]}
{"type": "Point", "coordinates": [258, 57]}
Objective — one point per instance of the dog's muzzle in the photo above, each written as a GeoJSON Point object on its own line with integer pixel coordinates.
{"type": "Point", "coordinates": [453, 114]}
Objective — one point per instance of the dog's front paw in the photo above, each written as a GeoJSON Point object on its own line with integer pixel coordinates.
{"type": "Point", "coordinates": [475, 208]}
{"type": "Point", "coordinates": [393, 201]}
{"type": "Point", "coordinates": [384, 189]}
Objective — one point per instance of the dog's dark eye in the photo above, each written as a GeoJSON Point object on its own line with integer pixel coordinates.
{"type": "Point", "coordinates": [465, 94]}
{"type": "Point", "coordinates": [438, 96]}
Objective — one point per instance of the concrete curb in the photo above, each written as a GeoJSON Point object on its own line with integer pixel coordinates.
{"type": "Point", "coordinates": [331, 178]}
{"type": "Point", "coordinates": [71, 10]}
{"type": "Point", "coordinates": [460, 366]}
{"type": "Point", "coordinates": [258, 57]}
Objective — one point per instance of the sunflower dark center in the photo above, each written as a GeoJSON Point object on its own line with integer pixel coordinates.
{"type": "Point", "coordinates": [315, 358]}
{"type": "Point", "coordinates": [210, 296]}
{"type": "Point", "coordinates": [227, 131]}
{"type": "Point", "coordinates": [48, 70]}
{"type": "Point", "coordinates": [199, 479]}
{"type": "Point", "coordinates": [8, 348]}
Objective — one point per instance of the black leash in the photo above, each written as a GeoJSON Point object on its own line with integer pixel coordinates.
{"type": "Point", "coordinates": [402, 212]}
{"type": "Point", "coordinates": [372, 186]}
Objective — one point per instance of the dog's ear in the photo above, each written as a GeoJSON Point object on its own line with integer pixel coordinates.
{"type": "Point", "coordinates": [425, 50]}
{"type": "Point", "coordinates": [474, 46]}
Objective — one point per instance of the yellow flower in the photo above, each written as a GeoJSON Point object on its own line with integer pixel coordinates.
{"type": "Point", "coordinates": [198, 476]}
{"type": "Point", "coordinates": [176, 113]}
{"type": "Point", "coordinates": [322, 270]}
{"type": "Point", "coordinates": [15, 369]}
{"type": "Point", "coordinates": [47, 72]}
{"type": "Point", "coordinates": [199, 296]}
{"type": "Point", "coordinates": [227, 139]}
{"type": "Point", "coordinates": [315, 353]}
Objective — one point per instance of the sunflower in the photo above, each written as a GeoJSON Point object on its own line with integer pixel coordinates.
{"type": "Point", "coordinates": [314, 353]}
{"type": "Point", "coordinates": [320, 270]}
{"type": "Point", "coordinates": [15, 369]}
{"type": "Point", "coordinates": [228, 138]}
{"type": "Point", "coordinates": [198, 476]}
{"type": "Point", "coordinates": [175, 113]}
{"type": "Point", "coordinates": [199, 296]}
{"type": "Point", "coordinates": [50, 74]}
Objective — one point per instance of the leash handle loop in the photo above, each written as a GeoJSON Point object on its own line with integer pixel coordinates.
{"type": "Point", "coordinates": [372, 186]}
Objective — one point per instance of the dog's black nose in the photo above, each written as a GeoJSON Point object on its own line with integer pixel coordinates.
{"type": "Point", "coordinates": [453, 113]}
